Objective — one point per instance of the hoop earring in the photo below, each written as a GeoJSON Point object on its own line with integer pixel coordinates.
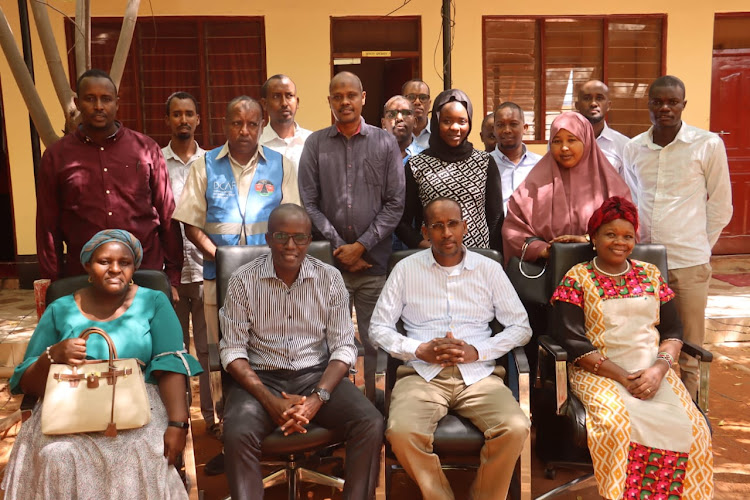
{"type": "Point", "coordinates": [132, 282]}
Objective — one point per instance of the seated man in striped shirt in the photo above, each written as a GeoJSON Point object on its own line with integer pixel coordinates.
{"type": "Point", "coordinates": [446, 297]}
{"type": "Point", "coordinates": [288, 343]}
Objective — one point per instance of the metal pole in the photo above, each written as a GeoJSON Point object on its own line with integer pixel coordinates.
{"type": "Point", "coordinates": [446, 11]}
{"type": "Point", "coordinates": [23, 16]}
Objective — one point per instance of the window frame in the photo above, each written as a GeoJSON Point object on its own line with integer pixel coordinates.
{"type": "Point", "coordinates": [540, 76]}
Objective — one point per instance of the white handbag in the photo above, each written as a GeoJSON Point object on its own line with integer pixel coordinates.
{"type": "Point", "coordinates": [100, 395]}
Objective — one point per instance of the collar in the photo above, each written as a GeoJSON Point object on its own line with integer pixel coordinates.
{"type": "Point", "coordinates": [269, 134]}
{"type": "Point", "coordinates": [112, 138]}
{"type": "Point", "coordinates": [469, 261]}
{"type": "Point", "coordinates": [606, 133]}
{"type": "Point", "coordinates": [333, 131]}
{"type": "Point", "coordinates": [225, 151]}
{"type": "Point", "coordinates": [267, 271]}
{"type": "Point", "coordinates": [504, 157]}
{"type": "Point", "coordinates": [425, 130]}
{"type": "Point", "coordinates": [686, 134]}
{"type": "Point", "coordinates": [169, 153]}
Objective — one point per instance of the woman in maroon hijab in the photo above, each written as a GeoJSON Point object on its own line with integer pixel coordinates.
{"type": "Point", "coordinates": [561, 192]}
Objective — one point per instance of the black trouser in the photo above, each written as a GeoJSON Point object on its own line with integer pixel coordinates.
{"type": "Point", "coordinates": [246, 424]}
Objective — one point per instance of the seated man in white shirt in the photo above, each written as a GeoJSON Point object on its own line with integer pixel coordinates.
{"type": "Point", "coordinates": [282, 133]}
{"type": "Point", "coordinates": [446, 297]}
{"type": "Point", "coordinates": [593, 103]}
{"type": "Point", "coordinates": [510, 154]}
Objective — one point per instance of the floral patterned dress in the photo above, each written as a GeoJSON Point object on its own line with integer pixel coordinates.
{"type": "Point", "coordinates": [658, 448]}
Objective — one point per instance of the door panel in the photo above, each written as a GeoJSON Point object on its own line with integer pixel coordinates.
{"type": "Point", "coordinates": [730, 93]}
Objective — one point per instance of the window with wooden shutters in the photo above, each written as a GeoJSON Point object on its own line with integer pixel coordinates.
{"type": "Point", "coordinates": [213, 59]}
{"type": "Point", "coordinates": [539, 63]}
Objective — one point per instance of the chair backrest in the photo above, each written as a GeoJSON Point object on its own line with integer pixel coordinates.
{"type": "Point", "coordinates": [230, 258]}
{"type": "Point", "coordinates": [563, 256]}
{"type": "Point", "coordinates": [149, 278]}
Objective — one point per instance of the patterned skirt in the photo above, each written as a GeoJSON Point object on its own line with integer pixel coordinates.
{"type": "Point", "coordinates": [93, 466]}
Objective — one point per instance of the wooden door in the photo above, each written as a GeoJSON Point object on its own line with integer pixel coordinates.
{"type": "Point", "coordinates": [730, 93]}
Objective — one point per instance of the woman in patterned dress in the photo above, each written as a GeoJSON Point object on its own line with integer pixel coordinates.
{"type": "Point", "coordinates": [554, 202]}
{"type": "Point", "coordinates": [136, 463]}
{"type": "Point", "coordinates": [452, 168]}
{"type": "Point", "coordinates": [620, 327]}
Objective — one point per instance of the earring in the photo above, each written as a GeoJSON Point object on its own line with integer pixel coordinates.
{"type": "Point", "coordinates": [90, 280]}
{"type": "Point", "coordinates": [132, 282]}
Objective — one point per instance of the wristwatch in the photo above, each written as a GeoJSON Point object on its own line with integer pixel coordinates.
{"type": "Point", "coordinates": [323, 395]}
{"type": "Point", "coordinates": [179, 425]}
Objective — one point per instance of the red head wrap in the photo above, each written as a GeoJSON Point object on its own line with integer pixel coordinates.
{"type": "Point", "coordinates": [613, 208]}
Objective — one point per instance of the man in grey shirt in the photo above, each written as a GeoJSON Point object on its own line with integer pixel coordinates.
{"type": "Point", "coordinates": [351, 181]}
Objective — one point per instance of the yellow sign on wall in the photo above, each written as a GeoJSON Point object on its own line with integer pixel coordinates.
{"type": "Point", "coordinates": [376, 53]}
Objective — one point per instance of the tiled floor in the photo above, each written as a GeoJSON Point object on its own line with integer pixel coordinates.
{"type": "Point", "coordinates": [728, 330]}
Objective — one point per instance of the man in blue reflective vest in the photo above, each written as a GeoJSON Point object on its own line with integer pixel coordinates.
{"type": "Point", "coordinates": [230, 193]}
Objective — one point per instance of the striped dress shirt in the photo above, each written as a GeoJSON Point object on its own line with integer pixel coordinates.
{"type": "Point", "coordinates": [432, 300]}
{"type": "Point", "coordinates": [276, 327]}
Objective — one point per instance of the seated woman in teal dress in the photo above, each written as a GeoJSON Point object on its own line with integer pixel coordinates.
{"type": "Point", "coordinates": [620, 327]}
{"type": "Point", "coordinates": [137, 463]}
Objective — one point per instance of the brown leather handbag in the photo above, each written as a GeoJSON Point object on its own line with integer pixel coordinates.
{"type": "Point", "coordinates": [100, 395]}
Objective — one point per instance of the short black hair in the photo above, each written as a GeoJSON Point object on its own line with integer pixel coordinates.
{"type": "Point", "coordinates": [511, 105]}
{"type": "Point", "coordinates": [487, 117]}
{"type": "Point", "coordinates": [267, 83]}
{"type": "Point", "coordinates": [94, 73]}
{"type": "Point", "coordinates": [287, 209]}
{"type": "Point", "coordinates": [436, 200]}
{"type": "Point", "coordinates": [242, 98]}
{"type": "Point", "coordinates": [667, 81]}
{"type": "Point", "coordinates": [414, 80]}
{"type": "Point", "coordinates": [182, 95]}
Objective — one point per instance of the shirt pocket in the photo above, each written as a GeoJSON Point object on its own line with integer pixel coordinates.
{"type": "Point", "coordinates": [373, 172]}
{"type": "Point", "coordinates": [133, 178]}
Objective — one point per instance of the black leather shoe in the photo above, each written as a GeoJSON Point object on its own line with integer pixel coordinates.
{"type": "Point", "coordinates": [215, 466]}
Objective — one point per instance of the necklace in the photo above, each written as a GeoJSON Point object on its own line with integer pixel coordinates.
{"type": "Point", "coordinates": [627, 268]}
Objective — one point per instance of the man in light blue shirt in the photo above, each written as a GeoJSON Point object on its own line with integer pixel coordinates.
{"type": "Point", "coordinates": [446, 297]}
{"type": "Point", "coordinates": [511, 156]}
{"type": "Point", "coordinates": [418, 92]}
{"type": "Point", "coordinates": [399, 119]}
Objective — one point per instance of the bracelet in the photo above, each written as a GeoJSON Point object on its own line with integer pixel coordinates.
{"type": "Point", "coordinates": [598, 364]}
{"type": "Point", "coordinates": [52, 361]}
{"type": "Point", "coordinates": [179, 425]}
{"type": "Point", "coordinates": [665, 356]}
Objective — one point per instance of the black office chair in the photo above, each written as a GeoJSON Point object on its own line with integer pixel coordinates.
{"type": "Point", "coordinates": [456, 440]}
{"type": "Point", "coordinates": [296, 449]}
{"type": "Point", "coordinates": [148, 278]}
{"type": "Point", "coordinates": [561, 439]}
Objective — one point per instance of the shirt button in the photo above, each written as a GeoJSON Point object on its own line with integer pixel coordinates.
{"type": "Point", "coordinates": [107, 191]}
{"type": "Point", "coordinates": [109, 213]}
{"type": "Point", "coordinates": [105, 169]}
{"type": "Point", "coordinates": [350, 205]}
{"type": "Point", "coordinates": [101, 149]}
{"type": "Point", "coordinates": [349, 185]}
{"type": "Point", "coordinates": [349, 166]}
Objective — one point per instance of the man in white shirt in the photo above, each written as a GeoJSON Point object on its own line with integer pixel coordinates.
{"type": "Point", "coordinates": [418, 93]}
{"type": "Point", "coordinates": [679, 178]}
{"type": "Point", "coordinates": [282, 133]}
{"type": "Point", "coordinates": [182, 118]}
{"type": "Point", "coordinates": [446, 297]}
{"type": "Point", "coordinates": [593, 103]}
{"type": "Point", "coordinates": [511, 156]}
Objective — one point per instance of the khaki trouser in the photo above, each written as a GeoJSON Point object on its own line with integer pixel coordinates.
{"type": "Point", "coordinates": [416, 408]}
{"type": "Point", "coordinates": [690, 285]}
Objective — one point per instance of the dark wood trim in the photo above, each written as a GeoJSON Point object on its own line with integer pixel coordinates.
{"type": "Point", "coordinates": [731, 14]}
{"type": "Point", "coordinates": [484, 67]}
{"type": "Point", "coordinates": [664, 39]}
{"type": "Point", "coordinates": [203, 63]}
{"type": "Point", "coordinates": [394, 54]}
{"type": "Point", "coordinates": [541, 108]}
{"type": "Point", "coordinates": [605, 48]}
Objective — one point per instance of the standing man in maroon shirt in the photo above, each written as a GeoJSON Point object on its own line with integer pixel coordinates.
{"type": "Point", "coordinates": [104, 176]}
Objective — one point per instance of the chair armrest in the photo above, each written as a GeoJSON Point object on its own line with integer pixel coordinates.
{"type": "Point", "coordinates": [214, 359]}
{"type": "Point", "coordinates": [697, 352]}
{"type": "Point", "coordinates": [522, 362]}
{"type": "Point", "coordinates": [549, 347]}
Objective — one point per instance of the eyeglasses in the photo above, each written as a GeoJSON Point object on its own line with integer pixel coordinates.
{"type": "Point", "coordinates": [421, 97]}
{"type": "Point", "coordinates": [658, 103]}
{"type": "Point", "coordinates": [393, 113]}
{"type": "Point", "coordinates": [440, 226]}
{"type": "Point", "coordinates": [298, 238]}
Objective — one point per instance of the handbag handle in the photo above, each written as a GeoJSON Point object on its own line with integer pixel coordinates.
{"type": "Point", "coordinates": [523, 254]}
{"type": "Point", "coordinates": [111, 345]}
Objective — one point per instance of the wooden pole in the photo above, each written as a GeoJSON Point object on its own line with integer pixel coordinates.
{"type": "Point", "coordinates": [123, 43]}
{"type": "Point", "coordinates": [80, 38]}
{"type": "Point", "coordinates": [25, 83]}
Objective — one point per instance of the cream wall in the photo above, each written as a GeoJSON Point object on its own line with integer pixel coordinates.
{"type": "Point", "coordinates": [298, 43]}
